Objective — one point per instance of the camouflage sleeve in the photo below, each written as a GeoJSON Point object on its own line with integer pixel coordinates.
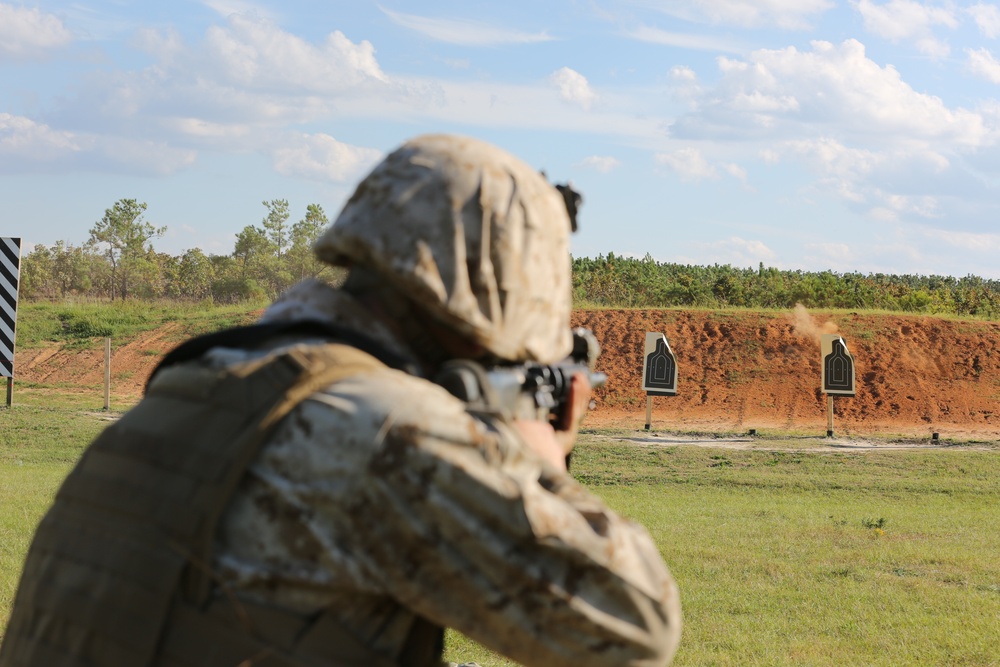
{"type": "Point", "coordinates": [457, 520]}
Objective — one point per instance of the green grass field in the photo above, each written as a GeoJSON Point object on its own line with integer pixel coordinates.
{"type": "Point", "coordinates": [783, 557]}
{"type": "Point", "coordinates": [84, 325]}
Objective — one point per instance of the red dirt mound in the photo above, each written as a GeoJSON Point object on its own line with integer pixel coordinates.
{"type": "Point", "coordinates": [737, 370]}
{"type": "Point", "coordinates": [762, 370]}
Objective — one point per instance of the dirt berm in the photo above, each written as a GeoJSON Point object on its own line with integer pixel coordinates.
{"type": "Point", "coordinates": [737, 370]}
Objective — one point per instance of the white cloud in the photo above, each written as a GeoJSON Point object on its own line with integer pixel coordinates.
{"type": "Point", "coordinates": [922, 206]}
{"type": "Point", "coordinates": [987, 17]}
{"type": "Point", "coordinates": [36, 145]}
{"type": "Point", "coordinates": [601, 163]}
{"type": "Point", "coordinates": [739, 173]}
{"type": "Point", "coordinates": [882, 214]}
{"type": "Point", "coordinates": [684, 74]}
{"type": "Point", "coordinates": [967, 241]}
{"type": "Point", "coordinates": [855, 174]}
{"type": "Point", "coordinates": [831, 252]}
{"type": "Point", "coordinates": [684, 40]}
{"type": "Point", "coordinates": [226, 8]}
{"type": "Point", "coordinates": [832, 88]}
{"type": "Point", "coordinates": [238, 88]}
{"type": "Point", "coordinates": [27, 34]}
{"type": "Point", "coordinates": [685, 85]}
{"type": "Point", "coordinates": [889, 248]}
{"type": "Point", "coordinates": [736, 251]}
{"type": "Point", "coordinates": [785, 14]}
{"type": "Point", "coordinates": [982, 63]}
{"type": "Point", "coordinates": [320, 157]}
{"type": "Point", "coordinates": [900, 20]}
{"type": "Point", "coordinates": [209, 132]}
{"type": "Point", "coordinates": [490, 104]}
{"type": "Point", "coordinates": [769, 156]}
{"type": "Point", "coordinates": [235, 92]}
{"type": "Point", "coordinates": [164, 46]}
{"type": "Point", "coordinates": [757, 101]}
{"type": "Point", "coordinates": [23, 138]}
{"type": "Point", "coordinates": [832, 158]}
{"type": "Point", "coordinates": [244, 73]}
{"type": "Point", "coordinates": [932, 47]}
{"type": "Point", "coordinates": [573, 87]}
{"type": "Point", "coordinates": [688, 163]}
{"type": "Point", "coordinates": [903, 19]}
{"type": "Point", "coordinates": [145, 156]}
{"type": "Point", "coordinates": [736, 171]}
{"type": "Point", "coordinates": [258, 54]}
{"type": "Point", "coordinates": [464, 32]}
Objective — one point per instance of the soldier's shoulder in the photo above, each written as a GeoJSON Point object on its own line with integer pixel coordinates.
{"type": "Point", "coordinates": [385, 390]}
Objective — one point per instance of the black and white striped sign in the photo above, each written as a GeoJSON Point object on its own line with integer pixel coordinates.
{"type": "Point", "coordinates": [10, 262]}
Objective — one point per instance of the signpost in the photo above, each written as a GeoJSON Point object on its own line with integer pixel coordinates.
{"type": "Point", "coordinates": [10, 262]}
{"type": "Point", "coordinates": [836, 373]}
{"type": "Point", "coordinates": [659, 371]}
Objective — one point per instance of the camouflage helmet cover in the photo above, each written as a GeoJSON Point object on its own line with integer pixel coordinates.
{"type": "Point", "coordinates": [470, 233]}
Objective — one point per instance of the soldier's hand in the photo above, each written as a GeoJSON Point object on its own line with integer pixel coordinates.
{"type": "Point", "coordinates": [554, 441]}
{"type": "Point", "coordinates": [577, 404]}
{"type": "Point", "coordinates": [541, 439]}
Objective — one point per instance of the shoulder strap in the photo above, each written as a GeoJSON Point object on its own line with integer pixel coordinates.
{"type": "Point", "coordinates": [254, 335]}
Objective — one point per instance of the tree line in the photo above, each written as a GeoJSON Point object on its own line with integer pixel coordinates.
{"type": "Point", "coordinates": [118, 262]}
{"type": "Point", "coordinates": [631, 283]}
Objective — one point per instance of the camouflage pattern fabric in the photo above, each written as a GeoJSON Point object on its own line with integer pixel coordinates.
{"type": "Point", "coordinates": [473, 234]}
{"type": "Point", "coordinates": [382, 498]}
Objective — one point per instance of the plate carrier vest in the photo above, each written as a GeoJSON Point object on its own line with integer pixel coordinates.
{"type": "Point", "coordinates": [119, 572]}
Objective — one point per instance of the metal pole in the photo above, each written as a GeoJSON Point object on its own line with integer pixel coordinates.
{"type": "Point", "coordinates": [649, 411]}
{"type": "Point", "coordinates": [107, 373]}
{"type": "Point", "coordinates": [10, 390]}
{"type": "Point", "coordinates": [829, 415]}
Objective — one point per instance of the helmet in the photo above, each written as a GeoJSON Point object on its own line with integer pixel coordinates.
{"type": "Point", "coordinates": [473, 236]}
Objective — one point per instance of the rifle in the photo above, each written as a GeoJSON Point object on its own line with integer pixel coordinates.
{"type": "Point", "coordinates": [523, 391]}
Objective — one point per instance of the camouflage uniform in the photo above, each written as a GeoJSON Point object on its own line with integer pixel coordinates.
{"type": "Point", "coordinates": [379, 509]}
{"type": "Point", "coordinates": [382, 498]}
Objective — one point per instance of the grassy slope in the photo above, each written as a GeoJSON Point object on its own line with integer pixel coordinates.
{"type": "Point", "coordinates": [85, 323]}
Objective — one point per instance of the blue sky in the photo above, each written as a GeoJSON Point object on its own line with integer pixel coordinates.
{"type": "Point", "coordinates": [805, 134]}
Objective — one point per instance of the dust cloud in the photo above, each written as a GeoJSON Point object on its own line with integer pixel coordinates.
{"type": "Point", "coordinates": [806, 326]}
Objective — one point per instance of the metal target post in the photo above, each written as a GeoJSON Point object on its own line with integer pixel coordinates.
{"type": "Point", "coordinates": [829, 415]}
{"type": "Point", "coordinates": [10, 263]}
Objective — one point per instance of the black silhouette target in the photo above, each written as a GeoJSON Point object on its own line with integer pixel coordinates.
{"type": "Point", "coordinates": [838, 370]}
{"type": "Point", "coordinates": [660, 370]}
